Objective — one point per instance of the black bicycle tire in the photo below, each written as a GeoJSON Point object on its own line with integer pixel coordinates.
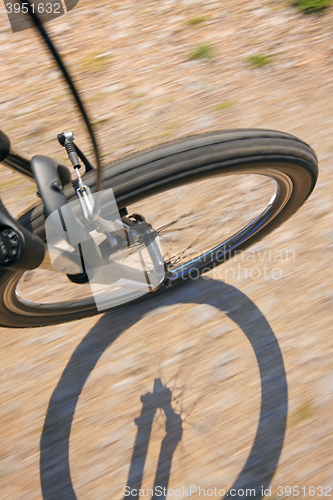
{"type": "Point", "coordinates": [169, 165]}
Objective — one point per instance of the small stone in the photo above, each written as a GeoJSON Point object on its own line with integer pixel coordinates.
{"type": "Point", "coordinates": [204, 122]}
{"type": "Point", "coordinates": [113, 88]}
{"type": "Point", "coordinates": [202, 314]}
{"type": "Point", "coordinates": [59, 29]}
{"type": "Point", "coordinates": [220, 331]}
{"type": "Point", "coordinates": [226, 358]}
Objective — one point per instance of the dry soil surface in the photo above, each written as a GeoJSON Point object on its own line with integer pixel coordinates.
{"type": "Point", "coordinates": [208, 374]}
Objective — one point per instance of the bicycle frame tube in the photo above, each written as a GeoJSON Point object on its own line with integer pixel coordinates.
{"type": "Point", "coordinates": [19, 161]}
{"type": "Point", "coordinates": [13, 158]}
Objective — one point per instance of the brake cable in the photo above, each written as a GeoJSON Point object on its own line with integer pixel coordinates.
{"type": "Point", "coordinates": [78, 100]}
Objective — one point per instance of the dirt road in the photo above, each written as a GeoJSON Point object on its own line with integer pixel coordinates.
{"type": "Point", "coordinates": [228, 379]}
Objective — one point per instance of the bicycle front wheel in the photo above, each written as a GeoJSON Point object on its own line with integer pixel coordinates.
{"type": "Point", "coordinates": [208, 196]}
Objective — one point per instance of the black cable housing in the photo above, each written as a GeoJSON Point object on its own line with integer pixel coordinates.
{"type": "Point", "coordinates": [37, 22]}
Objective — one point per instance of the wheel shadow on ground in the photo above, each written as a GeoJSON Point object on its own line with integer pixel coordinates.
{"type": "Point", "coordinates": [262, 461]}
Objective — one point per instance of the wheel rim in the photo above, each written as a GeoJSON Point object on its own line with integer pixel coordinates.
{"type": "Point", "coordinates": [270, 206]}
{"type": "Point", "coordinates": [23, 294]}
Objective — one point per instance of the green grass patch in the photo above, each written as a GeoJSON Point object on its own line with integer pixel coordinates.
{"type": "Point", "coordinates": [11, 183]}
{"type": "Point", "coordinates": [202, 51]}
{"type": "Point", "coordinates": [167, 100]}
{"type": "Point", "coordinates": [259, 60]}
{"type": "Point", "coordinates": [173, 125]}
{"type": "Point", "coordinates": [195, 21]}
{"type": "Point", "coordinates": [312, 6]}
{"type": "Point", "coordinates": [93, 62]}
{"type": "Point", "coordinates": [303, 413]}
{"type": "Point", "coordinates": [223, 105]}
{"type": "Point", "coordinates": [99, 120]}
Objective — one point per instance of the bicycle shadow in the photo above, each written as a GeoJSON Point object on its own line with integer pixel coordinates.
{"type": "Point", "coordinates": [261, 464]}
{"type": "Point", "coordinates": [151, 402]}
